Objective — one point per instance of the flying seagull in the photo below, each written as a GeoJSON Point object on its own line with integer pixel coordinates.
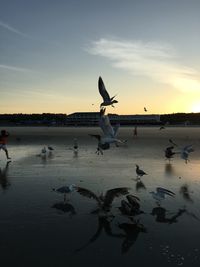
{"type": "Point", "coordinates": [110, 133]}
{"type": "Point", "coordinates": [104, 202]}
{"type": "Point", "coordinates": [145, 109]}
{"type": "Point", "coordinates": [107, 101]}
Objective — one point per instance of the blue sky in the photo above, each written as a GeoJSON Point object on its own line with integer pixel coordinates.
{"type": "Point", "coordinates": [52, 53]}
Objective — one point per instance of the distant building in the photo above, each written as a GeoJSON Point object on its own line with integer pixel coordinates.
{"type": "Point", "coordinates": [92, 119]}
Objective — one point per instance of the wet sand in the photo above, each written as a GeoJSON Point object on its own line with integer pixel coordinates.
{"type": "Point", "coordinates": [36, 229]}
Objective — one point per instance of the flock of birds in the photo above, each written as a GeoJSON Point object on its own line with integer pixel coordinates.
{"type": "Point", "coordinates": [130, 206]}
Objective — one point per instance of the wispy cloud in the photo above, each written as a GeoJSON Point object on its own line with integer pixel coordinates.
{"type": "Point", "coordinates": [155, 60]}
{"type": "Point", "coordinates": [12, 29]}
{"type": "Point", "coordinates": [12, 68]}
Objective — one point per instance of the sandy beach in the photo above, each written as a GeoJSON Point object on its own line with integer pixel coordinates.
{"type": "Point", "coordinates": [36, 229]}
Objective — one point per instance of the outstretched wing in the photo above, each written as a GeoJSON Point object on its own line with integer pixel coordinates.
{"type": "Point", "coordinates": [102, 90]}
{"type": "Point", "coordinates": [111, 194]}
{"type": "Point", "coordinates": [87, 193]}
{"type": "Point", "coordinates": [162, 190]}
{"type": "Point", "coordinates": [188, 149]}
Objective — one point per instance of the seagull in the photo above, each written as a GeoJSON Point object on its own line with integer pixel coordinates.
{"type": "Point", "coordinates": [132, 207]}
{"type": "Point", "coordinates": [139, 172]}
{"type": "Point", "coordinates": [44, 150]}
{"type": "Point", "coordinates": [66, 189]}
{"type": "Point", "coordinates": [161, 193]}
{"type": "Point", "coordinates": [145, 109]}
{"type": "Point", "coordinates": [107, 101]}
{"type": "Point", "coordinates": [103, 201]}
{"type": "Point", "coordinates": [169, 153]}
{"type": "Point", "coordinates": [162, 128]}
{"type": "Point", "coordinates": [110, 133]}
{"type": "Point", "coordinates": [185, 152]}
{"type": "Point", "coordinates": [50, 148]}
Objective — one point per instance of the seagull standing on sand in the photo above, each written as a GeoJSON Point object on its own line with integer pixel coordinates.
{"type": "Point", "coordinates": [65, 190]}
{"type": "Point", "coordinates": [160, 194]}
{"type": "Point", "coordinates": [139, 172]}
{"type": "Point", "coordinates": [107, 100]}
{"type": "Point", "coordinates": [185, 152]}
{"type": "Point", "coordinates": [169, 153]}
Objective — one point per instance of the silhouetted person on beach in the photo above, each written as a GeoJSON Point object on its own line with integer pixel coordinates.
{"type": "Point", "coordinates": [3, 141]}
{"type": "Point", "coordinates": [135, 131]}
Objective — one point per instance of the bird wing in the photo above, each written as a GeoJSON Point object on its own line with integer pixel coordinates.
{"type": "Point", "coordinates": [188, 149]}
{"type": "Point", "coordinates": [87, 193]}
{"type": "Point", "coordinates": [106, 126]}
{"type": "Point", "coordinates": [102, 90]}
{"type": "Point", "coordinates": [112, 193]}
{"type": "Point", "coordinates": [162, 190]}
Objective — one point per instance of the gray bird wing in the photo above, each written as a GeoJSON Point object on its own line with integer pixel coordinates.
{"type": "Point", "coordinates": [87, 193]}
{"type": "Point", "coordinates": [102, 90]}
{"type": "Point", "coordinates": [112, 193]}
{"type": "Point", "coordinates": [164, 191]}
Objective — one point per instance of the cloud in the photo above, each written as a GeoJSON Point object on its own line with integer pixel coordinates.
{"type": "Point", "coordinates": [154, 60]}
{"type": "Point", "coordinates": [6, 67]}
{"type": "Point", "coordinates": [11, 29]}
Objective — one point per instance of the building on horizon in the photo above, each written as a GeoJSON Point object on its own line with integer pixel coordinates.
{"type": "Point", "coordinates": [92, 119]}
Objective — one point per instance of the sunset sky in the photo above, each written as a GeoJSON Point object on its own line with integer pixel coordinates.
{"type": "Point", "coordinates": [146, 51]}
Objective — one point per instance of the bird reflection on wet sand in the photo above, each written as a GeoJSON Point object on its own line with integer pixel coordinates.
{"type": "Point", "coordinates": [169, 169]}
{"type": "Point", "coordinates": [104, 223]}
{"type": "Point", "coordinates": [4, 176]}
{"type": "Point", "coordinates": [185, 192]}
{"type": "Point", "coordinates": [65, 207]}
{"type": "Point", "coordinates": [139, 186]}
{"type": "Point", "coordinates": [160, 214]}
{"type": "Point", "coordinates": [132, 231]}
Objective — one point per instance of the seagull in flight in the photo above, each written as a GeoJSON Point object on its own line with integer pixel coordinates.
{"type": "Point", "coordinates": [104, 202]}
{"type": "Point", "coordinates": [139, 172]}
{"type": "Point", "coordinates": [110, 133]}
{"type": "Point", "coordinates": [145, 109]}
{"type": "Point", "coordinates": [107, 100]}
{"type": "Point", "coordinates": [160, 194]}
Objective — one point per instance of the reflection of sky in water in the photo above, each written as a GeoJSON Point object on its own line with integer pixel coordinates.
{"type": "Point", "coordinates": [39, 229]}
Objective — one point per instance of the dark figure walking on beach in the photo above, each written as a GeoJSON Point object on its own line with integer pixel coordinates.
{"type": "Point", "coordinates": [3, 141]}
{"type": "Point", "coordinates": [135, 131]}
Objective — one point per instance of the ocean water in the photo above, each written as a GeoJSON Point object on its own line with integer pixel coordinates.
{"type": "Point", "coordinates": [39, 228]}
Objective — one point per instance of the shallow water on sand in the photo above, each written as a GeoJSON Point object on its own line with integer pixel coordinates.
{"type": "Point", "coordinates": [38, 229]}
